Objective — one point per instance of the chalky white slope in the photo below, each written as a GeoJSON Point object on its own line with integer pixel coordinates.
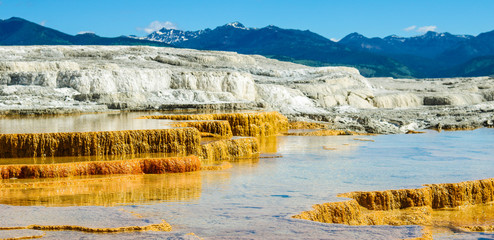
{"type": "Point", "coordinates": [64, 79]}
{"type": "Point", "coordinates": [88, 78]}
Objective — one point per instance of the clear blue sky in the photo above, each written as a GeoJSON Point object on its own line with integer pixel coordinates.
{"type": "Point", "coordinates": [330, 18]}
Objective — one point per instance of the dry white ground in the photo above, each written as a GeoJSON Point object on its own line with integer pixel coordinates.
{"type": "Point", "coordinates": [63, 79]}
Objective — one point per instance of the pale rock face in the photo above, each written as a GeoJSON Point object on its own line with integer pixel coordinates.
{"type": "Point", "coordinates": [118, 80]}
{"type": "Point", "coordinates": [358, 100]}
{"type": "Point", "coordinates": [91, 78]}
{"type": "Point", "coordinates": [488, 95]}
{"type": "Point", "coordinates": [458, 99]}
{"type": "Point", "coordinates": [240, 85]}
{"type": "Point", "coordinates": [148, 76]}
{"type": "Point", "coordinates": [334, 86]}
{"type": "Point", "coordinates": [397, 100]}
{"type": "Point", "coordinates": [286, 100]}
{"type": "Point", "coordinates": [409, 127]}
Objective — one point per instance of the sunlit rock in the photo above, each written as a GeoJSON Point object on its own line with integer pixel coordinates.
{"type": "Point", "coordinates": [241, 124]}
{"type": "Point", "coordinates": [185, 140]}
{"type": "Point", "coordinates": [412, 206]}
{"type": "Point", "coordinates": [133, 166]}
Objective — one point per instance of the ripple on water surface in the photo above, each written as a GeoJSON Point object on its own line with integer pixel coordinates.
{"type": "Point", "coordinates": [257, 197]}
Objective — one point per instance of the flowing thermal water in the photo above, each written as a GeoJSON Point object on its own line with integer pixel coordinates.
{"type": "Point", "coordinates": [258, 196]}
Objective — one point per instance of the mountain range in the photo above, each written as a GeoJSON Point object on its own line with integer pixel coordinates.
{"type": "Point", "coordinates": [18, 31]}
{"type": "Point", "coordinates": [430, 55]}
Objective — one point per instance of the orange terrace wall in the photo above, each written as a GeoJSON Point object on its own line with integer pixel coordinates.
{"type": "Point", "coordinates": [209, 128]}
{"type": "Point", "coordinates": [403, 206]}
{"type": "Point", "coordinates": [229, 149]}
{"type": "Point", "coordinates": [242, 124]}
{"type": "Point", "coordinates": [133, 166]}
{"type": "Point", "coordinates": [444, 195]}
{"type": "Point", "coordinates": [184, 140]}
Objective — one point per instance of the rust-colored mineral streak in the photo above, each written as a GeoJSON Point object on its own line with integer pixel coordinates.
{"type": "Point", "coordinates": [410, 206]}
{"type": "Point", "coordinates": [219, 129]}
{"type": "Point", "coordinates": [133, 166]}
{"type": "Point", "coordinates": [242, 124]}
{"type": "Point", "coordinates": [184, 140]}
{"type": "Point", "coordinates": [163, 226]}
{"type": "Point", "coordinates": [229, 149]}
{"type": "Point", "coordinates": [444, 195]}
{"type": "Point", "coordinates": [306, 125]}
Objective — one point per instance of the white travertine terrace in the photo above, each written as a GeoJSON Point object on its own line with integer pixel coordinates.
{"type": "Point", "coordinates": [95, 78]}
{"type": "Point", "coordinates": [154, 76]}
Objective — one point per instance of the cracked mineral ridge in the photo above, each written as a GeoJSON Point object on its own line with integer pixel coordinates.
{"type": "Point", "coordinates": [73, 79]}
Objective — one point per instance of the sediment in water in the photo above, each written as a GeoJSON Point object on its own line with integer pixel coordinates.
{"type": "Point", "coordinates": [242, 124]}
{"type": "Point", "coordinates": [403, 206]}
{"type": "Point", "coordinates": [133, 166]}
{"type": "Point", "coordinates": [183, 140]}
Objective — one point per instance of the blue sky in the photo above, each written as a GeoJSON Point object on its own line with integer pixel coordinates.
{"type": "Point", "coordinates": [330, 18]}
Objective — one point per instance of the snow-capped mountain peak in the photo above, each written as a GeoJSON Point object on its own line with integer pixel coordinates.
{"type": "Point", "coordinates": [394, 37]}
{"type": "Point", "coordinates": [171, 36]}
{"type": "Point", "coordinates": [236, 25]}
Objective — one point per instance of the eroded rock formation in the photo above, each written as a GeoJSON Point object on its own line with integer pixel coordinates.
{"type": "Point", "coordinates": [229, 149]}
{"type": "Point", "coordinates": [220, 129]}
{"type": "Point", "coordinates": [185, 141]}
{"type": "Point", "coordinates": [445, 195]}
{"type": "Point", "coordinates": [163, 226]}
{"type": "Point", "coordinates": [67, 79]}
{"type": "Point", "coordinates": [241, 124]}
{"type": "Point", "coordinates": [182, 141]}
{"type": "Point", "coordinates": [404, 206]}
{"type": "Point", "coordinates": [134, 166]}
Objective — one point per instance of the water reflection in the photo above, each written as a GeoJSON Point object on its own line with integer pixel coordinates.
{"type": "Point", "coordinates": [481, 214]}
{"type": "Point", "coordinates": [258, 195]}
{"type": "Point", "coordinates": [268, 145]}
{"type": "Point", "coordinates": [102, 191]}
{"type": "Point", "coordinates": [112, 121]}
{"type": "Point", "coordinates": [109, 121]}
{"type": "Point", "coordinates": [342, 145]}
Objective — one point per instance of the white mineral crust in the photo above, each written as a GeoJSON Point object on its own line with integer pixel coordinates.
{"type": "Point", "coordinates": [95, 78]}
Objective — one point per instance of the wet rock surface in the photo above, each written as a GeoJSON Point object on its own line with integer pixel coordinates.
{"type": "Point", "coordinates": [21, 234]}
{"type": "Point", "coordinates": [464, 207]}
{"type": "Point", "coordinates": [84, 219]}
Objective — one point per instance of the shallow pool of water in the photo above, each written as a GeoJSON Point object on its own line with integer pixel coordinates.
{"type": "Point", "coordinates": [257, 197]}
{"type": "Point", "coordinates": [111, 121]}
